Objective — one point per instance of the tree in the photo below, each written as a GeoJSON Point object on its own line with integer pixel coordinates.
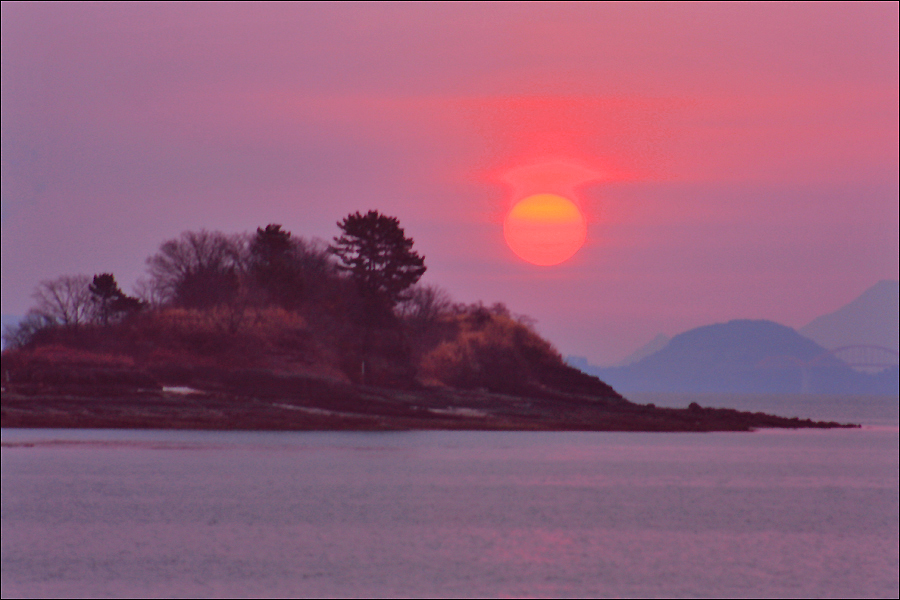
{"type": "Point", "coordinates": [273, 265]}
{"type": "Point", "coordinates": [199, 269]}
{"type": "Point", "coordinates": [379, 257]}
{"type": "Point", "coordinates": [109, 300]}
{"type": "Point", "coordinates": [424, 305]}
{"type": "Point", "coordinates": [291, 270]}
{"type": "Point", "coordinates": [150, 292]}
{"type": "Point", "coordinates": [64, 301]}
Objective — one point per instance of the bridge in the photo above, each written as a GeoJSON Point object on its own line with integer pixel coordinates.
{"type": "Point", "coordinates": [863, 358]}
{"type": "Point", "coordinates": [860, 357]}
{"type": "Point", "coordinates": [867, 358]}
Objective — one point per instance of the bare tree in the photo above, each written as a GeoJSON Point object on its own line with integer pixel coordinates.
{"type": "Point", "coordinates": [199, 269]}
{"type": "Point", "coordinates": [424, 304]}
{"type": "Point", "coordinates": [65, 301]}
{"type": "Point", "coordinates": [148, 291]}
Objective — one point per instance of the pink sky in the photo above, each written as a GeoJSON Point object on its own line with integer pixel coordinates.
{"type": "Point", "coordinates": [748, 152]}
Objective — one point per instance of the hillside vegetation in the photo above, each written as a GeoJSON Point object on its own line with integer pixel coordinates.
{"type": "Point", "coordinates": [268, 331]}
{"type": "Point", "coordinates": [270, 301]}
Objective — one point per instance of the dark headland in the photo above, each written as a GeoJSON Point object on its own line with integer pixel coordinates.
{"type": "Point", "coordinates": [59, 388]}
{"type": "Point", "coordinates": [259, 400]}
{"type": "Point", "coordinates": [266, 331]}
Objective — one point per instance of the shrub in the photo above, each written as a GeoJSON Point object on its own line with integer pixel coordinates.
{"type": "Point", "coordinates": [485, 349]}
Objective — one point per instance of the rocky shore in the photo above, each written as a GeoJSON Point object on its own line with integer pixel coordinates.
{"type": "Point", "coordinates": [265, 400]}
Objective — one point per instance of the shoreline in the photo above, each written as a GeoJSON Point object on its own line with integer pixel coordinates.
{"type": "Point", "coordinates": [306, 404]}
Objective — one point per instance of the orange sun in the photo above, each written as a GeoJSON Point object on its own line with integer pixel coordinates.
{"type": "Point", "coordinates": [545, 229]}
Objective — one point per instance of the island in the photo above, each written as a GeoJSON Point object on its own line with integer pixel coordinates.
{"type": "Point", "coordinates": [271, 332]}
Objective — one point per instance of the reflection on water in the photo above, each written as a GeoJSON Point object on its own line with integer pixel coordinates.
{"type": "Point", "coordinates": [772, 513]}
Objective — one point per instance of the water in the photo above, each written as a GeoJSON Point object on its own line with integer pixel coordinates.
{"type": "Point", "coordinates": [141, 513]}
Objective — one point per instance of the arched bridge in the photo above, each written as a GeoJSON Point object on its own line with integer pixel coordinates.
{"type": "Point", "coordinates": [860, 357]}
{"type": "Point", "coordinates": [867, 357]}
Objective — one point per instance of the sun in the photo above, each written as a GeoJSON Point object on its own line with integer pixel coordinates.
{"type": "Point", "coordinates": [545, 229]}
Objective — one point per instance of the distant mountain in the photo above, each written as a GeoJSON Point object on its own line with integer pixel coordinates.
{"type": "Point", "coordinates": [744, 357]}
{"type": "Point", "coordinates": [872, 319]}
{"type": "Point", "coordinates": [579, 362]}
{"type": "Point", "coordinates": [651, 347]}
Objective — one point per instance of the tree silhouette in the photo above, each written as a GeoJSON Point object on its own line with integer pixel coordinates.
{"type": "Point", "coordinates": [104, 292]}
{"type": "Point", "coordinates": [273, 264]}
{"type": "Point", "coordinates": [64, 301]}
{"type": "Point", "coordinates": [199, 269]}
{"type": "Point", "coordinates": [109, 300]}
{"type": "Point", "coordinates": [379, 257]}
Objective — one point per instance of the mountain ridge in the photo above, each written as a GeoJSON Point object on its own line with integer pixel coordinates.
{"type": "Point", "coordinates": [872, 318]}
{"type": "Point", "coordinates": [744, 356]}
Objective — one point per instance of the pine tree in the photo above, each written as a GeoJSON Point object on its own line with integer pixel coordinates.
{"type": "Point", "coordinates": [274, 266]}
{"type": "Point", "coordinates": [379, 257]}
{"type": "Point", "coordinates": [109, 300]}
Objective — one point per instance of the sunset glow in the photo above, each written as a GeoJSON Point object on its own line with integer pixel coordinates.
{"type": "Point", "coordinates": [555, 176]}
{"type": "Point", "coordinates": [545, 229]}
{"type": "Point", "coordinates": [733, 160]}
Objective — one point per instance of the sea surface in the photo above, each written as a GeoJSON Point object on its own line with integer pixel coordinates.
{"type": "Point", "coordinates": [98, 513]}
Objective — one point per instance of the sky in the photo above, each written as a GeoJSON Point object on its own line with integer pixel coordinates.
{"type": "Point", "coordinates": [731, 160]}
